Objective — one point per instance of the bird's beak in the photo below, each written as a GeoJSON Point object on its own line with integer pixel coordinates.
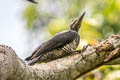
{"type": "Point", "coordinates": [33, 1]}
{"type": "Point", "coordinates": [81, 17]}
{"type": "Point", "coordinates": [78, 22]}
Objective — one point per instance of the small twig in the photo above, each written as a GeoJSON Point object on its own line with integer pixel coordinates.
{"type": "Point", "coordinates": [111, 54]}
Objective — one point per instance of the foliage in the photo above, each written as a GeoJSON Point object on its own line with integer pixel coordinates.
{"type": "Point", "coordinates": [101, 20]}
{"type": "Point", "coordinates": [57, 25]}
{"type": "Point", "coordinates": [30, 15]}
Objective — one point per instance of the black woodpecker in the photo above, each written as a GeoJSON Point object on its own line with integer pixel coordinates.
{"type": "Point", "coordinates": [62, 44]}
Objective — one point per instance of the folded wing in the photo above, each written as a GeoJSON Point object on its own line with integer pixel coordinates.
{"type": "Point", "coordinates": [56, 42]}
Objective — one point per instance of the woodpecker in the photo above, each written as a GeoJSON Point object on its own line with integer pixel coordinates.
{"type": "Point", "coordinates": [60, 45]}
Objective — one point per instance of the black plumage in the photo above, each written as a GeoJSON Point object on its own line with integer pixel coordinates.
{"type": "Point", "coordinates": [60, 45]}
{"type": "Point", "coordinates": [56, 42]}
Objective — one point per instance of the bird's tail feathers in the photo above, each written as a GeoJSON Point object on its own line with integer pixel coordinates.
{"type": "Point", "coordinates": [28, 58]}
{"type": "Point", "coordinates": [33, 61]}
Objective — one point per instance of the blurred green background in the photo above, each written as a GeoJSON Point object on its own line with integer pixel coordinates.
{"type": "Point", "coordinates": [24, 26]}
{"type": "Point", "coordinates": [101, 20]}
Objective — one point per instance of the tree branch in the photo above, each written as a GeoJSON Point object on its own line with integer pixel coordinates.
{"type": "Point", "coordinates": [67, 68]}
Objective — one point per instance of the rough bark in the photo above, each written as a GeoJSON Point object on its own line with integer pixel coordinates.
{"type": "Point", "coordinates": [67, 68]}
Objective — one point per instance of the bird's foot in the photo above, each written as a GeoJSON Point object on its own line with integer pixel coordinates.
{"type": "Point", "coordinates": [80, 52]}
{"type": "Point", "coordinates": [85, 47]}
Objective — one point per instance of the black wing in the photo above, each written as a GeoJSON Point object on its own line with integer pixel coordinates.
{"type": "Point", "coordinates": [57, 41]}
